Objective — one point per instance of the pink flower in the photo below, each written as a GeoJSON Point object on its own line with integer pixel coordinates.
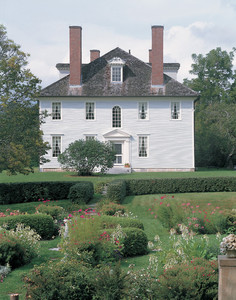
{"type": "Point", "coordinates": [197, 205]}
{"type": "Point", "coordinates": [161, 203]}
{"type": "Point", "coordinates": [149, 209]}
{"type": "Point", "coordinates": [82, 216]}
{"type": "Point", "coordinates": [188, 204]}
{"type": "Point", "coordinates": [208, 203]}
{"type": "Point", "coordinates": [70, 216]}
{"type": "Point", "coordinates": [183, 204]}
{"type": "Point", "coordinates": [168, 205]}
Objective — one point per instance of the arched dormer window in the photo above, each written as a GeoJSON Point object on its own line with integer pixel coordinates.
{"type": "Point", "coordinates": [117, 65]}
{"type": "Point", "coordinates": [116, 116]}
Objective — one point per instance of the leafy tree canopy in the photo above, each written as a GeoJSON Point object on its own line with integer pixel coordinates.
{"type": "Point", "coordinates": [20, 136]}
{"type": "Point", "coordinates": [84, 156]}
{"type": "Point", "coordinates": [215, 125]}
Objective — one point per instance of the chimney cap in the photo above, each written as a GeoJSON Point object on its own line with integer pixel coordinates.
{"type": "Point", "coordinates": [157, 26]}
{"type": "Point", "coordinates": [75, 27]}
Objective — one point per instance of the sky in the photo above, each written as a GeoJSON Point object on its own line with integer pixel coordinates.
{"type": "Point", "coordinates": [41, 28]}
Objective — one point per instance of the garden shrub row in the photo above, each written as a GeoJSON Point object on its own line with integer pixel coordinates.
{"type": "Point", "coordinates": [180, 185]}
{"type": "Point", "coordinates": [81, 193]}
{"type": "Point", "coordinates": [42, 224]}
{"type": "Point", "coordinates": [117, 190]}
{"type": "Point", "coordinates": [112, 222]}
{"type": "Point", "coordinates": [32, 191]}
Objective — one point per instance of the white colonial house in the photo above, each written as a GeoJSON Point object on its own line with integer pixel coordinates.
{"type": "Point", "coordinates": [140, 107]}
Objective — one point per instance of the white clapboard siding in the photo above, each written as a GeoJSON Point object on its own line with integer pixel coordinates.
{"type": "Point", "coordinates": [171, 142]}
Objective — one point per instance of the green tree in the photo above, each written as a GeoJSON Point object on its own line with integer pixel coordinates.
{"type": "Point", "coordinates": [84, 156]}
{"type": "Point", "coordinates": [214, 120]}
{"type": "Point", "coordinates": [21, 143]}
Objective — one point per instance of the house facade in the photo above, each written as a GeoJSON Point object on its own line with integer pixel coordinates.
{"type": "Point", "coordinates": [139, 107]}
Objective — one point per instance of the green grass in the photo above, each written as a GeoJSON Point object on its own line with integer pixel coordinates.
{"type": "Point", "coordinates": [138, 205]}
{"type": "Point", "coordinates": [70, 176]}
{"type": "Point", "coordinates": [13, 283]}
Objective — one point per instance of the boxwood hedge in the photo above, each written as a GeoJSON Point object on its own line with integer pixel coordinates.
{"type": "Point", "coordinates": [42, 224]}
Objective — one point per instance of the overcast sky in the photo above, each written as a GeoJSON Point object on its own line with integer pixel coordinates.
{"type": "Point", "coordinates": [41, 27]}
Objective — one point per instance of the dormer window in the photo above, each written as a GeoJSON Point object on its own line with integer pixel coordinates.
{"type": "Point", "coordinates": [116, 65]}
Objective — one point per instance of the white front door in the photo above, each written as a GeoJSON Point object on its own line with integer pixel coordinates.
{"type": "Point", "coordinates": [119, 153]}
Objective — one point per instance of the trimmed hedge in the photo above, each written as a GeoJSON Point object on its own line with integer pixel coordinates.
{"type": "Point", "coordinates": [135, 242]}
{"type": "Point", "coordinates": [180, 185]}
{"type": "Point", "coordinates": [112, 222]}
{"type": "Point", "coordinates": [81, 193]}
{"type": "Point", "coordinates": [116, 190]}
{"type": "Point", "coordinates": [32, 191]}
{"type": "Point", "coordinates": [42, 224]}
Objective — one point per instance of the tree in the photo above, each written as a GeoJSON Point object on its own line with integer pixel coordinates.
{"type": "Point", "coordinates": [214, 120]}
{"type": "Point", "coordinates": [84, 156]}
{"type": "Point", "coordinates": [21, 142]}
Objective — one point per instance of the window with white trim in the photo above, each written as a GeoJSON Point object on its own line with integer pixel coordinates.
{"type": "Point", "coordinates": [116, 116]}
{"type": "Point", "coordinates": [56, 110]}
{"type": "Point", "coordinates": [56, 146]}
{"type": "Point", "coordinates": [117, 65]}
{"type": "Point", "coordinates": [143, 146]}
{"type": "Point", "coordinates": [90, 137]}
{"type": "Point", "coordinates": [90, 111]}
{"type": "Point", "coordinates": [142, 111]}
{"type": "Point", "coordinates": [116, 74]}
{"type": "Point", "coordinates": [175, 110]}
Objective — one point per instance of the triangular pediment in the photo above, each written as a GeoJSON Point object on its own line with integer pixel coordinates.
{"type": "Point", "coordinates": [117, 134]}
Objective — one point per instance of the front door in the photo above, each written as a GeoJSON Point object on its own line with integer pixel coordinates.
{"type": "Point", "coordinates": [118, 147]}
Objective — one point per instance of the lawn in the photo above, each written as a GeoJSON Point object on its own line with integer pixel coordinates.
{"type": "Point", "coordinates": [70, 176]}
{"type": "Point", "coordinates": [138, 205]}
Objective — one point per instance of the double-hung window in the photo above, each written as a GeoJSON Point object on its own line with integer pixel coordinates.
{"type": "Point", "coordinates": [116, 74]}
{"type": "Point", "coordinates": [143, 146]}
{"type": "Point", "coordinates": [56, 146]}
{"type": "Point", "coordinates": [117, 66]}
{"type": "Point", "coordinates": [56, 110]}
{"type": "Point", "coordinates": [116, 116]}
{"type": "Point", "coordinates": [90, 111]}
{"type": "Point", "coordinates": [175, 110]}
{"type": "Point", "coordinates": [142, 111]}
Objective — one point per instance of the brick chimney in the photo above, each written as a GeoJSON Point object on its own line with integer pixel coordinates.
{"type": "Point", "coordinates": [157, 55]}
{"type": "Point", "coordinates": [75, 55]}
{"type": "Point", "coordinates": [94, 54]}
{"type": "Point", "coordinates": [150, 56]}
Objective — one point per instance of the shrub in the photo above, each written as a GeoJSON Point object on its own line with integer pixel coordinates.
{"type": "Point", "coordinates": [32, 191]}
{"type": "Point", "coordinates": [112, 222]}
{"type": "Point", "coordinates": [42, 224]}
{"type": "Point", "coordinates": [111, 208]}
{"type": "Point", "coordinates": [54, 211]}
{"type": "Point", "coordinates": [100, 187]}
{"type": "Point", "coordinates": [111, 283]}
{"type": "Point", "coordinates": [196, 280]}
{"type": "Point", "coordinates": [86, 241]}
{"type": "Point", "coordinates": [180, 185]}
{"type": "Point", "coordinates": [19, 246]}
{"type": "Point", "coordinates": [84, 156]}
{"type": "Point", "coordinates": [135, 242]}
{"type": "Point", "coordinates": [116, 190]}
{"type": "Point", "coordinates": [60, 280]}
{"type": "Point", "coordinates": [230, 215]}
{"type": "Point", "coordinates": [81, 192]}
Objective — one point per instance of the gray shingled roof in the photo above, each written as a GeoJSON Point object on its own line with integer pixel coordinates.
{"type": "Point", "coordinates": [136, 80]}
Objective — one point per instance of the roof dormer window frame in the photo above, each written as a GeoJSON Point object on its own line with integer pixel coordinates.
{"type": "Point", "coordinates": [116, 65]}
